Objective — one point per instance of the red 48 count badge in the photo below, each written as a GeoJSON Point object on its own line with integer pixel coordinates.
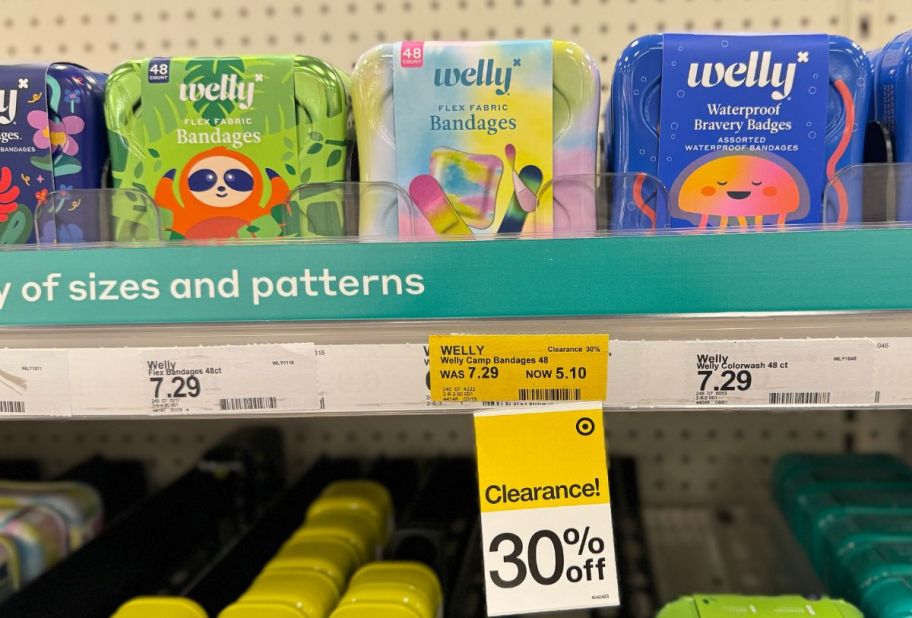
{"type": "Point", "coordinates": [545, 509]}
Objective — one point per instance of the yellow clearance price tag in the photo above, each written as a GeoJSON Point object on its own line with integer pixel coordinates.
{"type": "Point", "coordinates": [518, 367]}
{"type": "Point", "coordinates": [545, 509]}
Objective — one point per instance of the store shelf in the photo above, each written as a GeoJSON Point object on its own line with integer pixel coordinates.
{"type": "Point", "coordinates": [873, 324]}
{"type": "Point", "coordinates": [715, 543]}
{"type": "Point", "coordinates": [694, 515]}
{"type": "Point", "coordinates": [387, 360]}
{"type": "Point", "coordinates": [623, 275]}
{"type": "Point", "coordinates": [659, 298]}
{"type": "Point", "coordinates": [720, 548]}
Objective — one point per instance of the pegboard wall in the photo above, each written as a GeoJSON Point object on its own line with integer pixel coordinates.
{"type": "Point", "coordinates": [691, 457]}
{"type": "Point", "coordinates": [102, 33]}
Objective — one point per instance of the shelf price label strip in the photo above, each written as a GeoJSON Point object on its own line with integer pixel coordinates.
{"type": "Point", "coordinates": [773, 373]}
{"type": "Point", "coordinates": [749, 373]}
{"type": "Point", "coordinates": [267, 378]}
{"type": "Point", "coordinates": [34, 382]}
{"type": "Point", "coordinates": [545, 509]}
{"type": "Point", "coordinates": [757, 373]}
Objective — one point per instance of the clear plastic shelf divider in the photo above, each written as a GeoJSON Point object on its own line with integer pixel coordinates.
{"type": "Point", "coordinates": [363, 210]}
{"type": "Point", "coordinates": [586, 203]}
{"type": "Point", "coordinates": [75, 216]}
{"type": "Point", "coordinates": [869, 193]}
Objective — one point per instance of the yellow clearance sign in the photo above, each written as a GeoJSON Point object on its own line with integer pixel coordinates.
{"type": "Point", "coordinates": [556, 367]}
{"type": "Point", "coordinates": [539, 459]}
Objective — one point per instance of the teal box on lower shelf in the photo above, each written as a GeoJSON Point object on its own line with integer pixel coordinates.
{"type": "Point", "coordinates": [868, 564]}
{"type": "Point", "coordinates": [815, 505]}
{"type": "Point", "coordinates": [796, 471]}
{"type": "Point", "coordinates": [856, 526]}
{"type": "Point", "coordinates": [889, 598]}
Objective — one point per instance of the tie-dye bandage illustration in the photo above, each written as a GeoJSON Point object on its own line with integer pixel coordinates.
{"type": "Point", "coordinates": [436, 207]}
{"type": "Point", "coordinates": [473, 117]}
{"type": "Point", "coordinates": [470, 182]}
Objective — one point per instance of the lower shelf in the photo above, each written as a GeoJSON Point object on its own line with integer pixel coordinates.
{"type": "Point", "coordinates": [663, 551]}
{"type": "Point", "coordinates": [723, 549]}
{"type": "Point", "coordinates": [695, 517]}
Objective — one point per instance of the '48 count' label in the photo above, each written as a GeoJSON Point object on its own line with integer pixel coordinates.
{"type": "Point", "coordinates": [501, 368]}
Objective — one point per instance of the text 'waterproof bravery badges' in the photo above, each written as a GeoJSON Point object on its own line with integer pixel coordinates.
{"type": "Point", "coordinates": [51, 139]}
{"type": "Point", "coordinates": [219, 142]}
{"type": "Point", "coordinates": [744, 130]}
{"type": "Point", "coordinates": [476, 132]}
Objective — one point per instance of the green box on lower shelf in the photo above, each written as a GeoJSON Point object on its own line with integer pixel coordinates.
{"type": "Point", "coordinates": [735, 606]}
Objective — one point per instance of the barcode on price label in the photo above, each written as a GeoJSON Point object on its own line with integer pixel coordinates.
{"type": "Point", "coordinates": [799, 399]}
{"type": "Point", "coordinates": [248, 403]}
{"type": "Point", "coordinates": [12, 407]}
{"type": "Point", "coordinates": [34, 382]}
{"type": "Point", "coordinates": [549, 394]}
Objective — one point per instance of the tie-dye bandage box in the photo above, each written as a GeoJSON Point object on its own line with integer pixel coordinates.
{"type": "Point", "coordinates": [476, 133]}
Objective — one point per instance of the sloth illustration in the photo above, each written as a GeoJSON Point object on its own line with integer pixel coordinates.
{"type": "Point", "coordinates": [220, 192]}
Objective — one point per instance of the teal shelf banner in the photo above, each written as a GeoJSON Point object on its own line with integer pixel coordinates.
{"type": "Point", "coordinates": [851, 270]}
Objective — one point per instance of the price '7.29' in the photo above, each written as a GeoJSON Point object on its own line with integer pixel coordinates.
{"type": "Point", "coordinates": [178, 386]}
{"type": "Point", "coordinates": [728, 380]}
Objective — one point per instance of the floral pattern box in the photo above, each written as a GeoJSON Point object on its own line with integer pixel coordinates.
{"type": "Point", "coordinates": [52, 138]}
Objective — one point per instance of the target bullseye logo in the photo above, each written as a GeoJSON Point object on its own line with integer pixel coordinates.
{"type": "Point", "coordinates": [585, 426]}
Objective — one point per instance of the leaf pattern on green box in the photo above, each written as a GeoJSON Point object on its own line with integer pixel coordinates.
{"type": "Point", "coordinates": [210, 70]}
